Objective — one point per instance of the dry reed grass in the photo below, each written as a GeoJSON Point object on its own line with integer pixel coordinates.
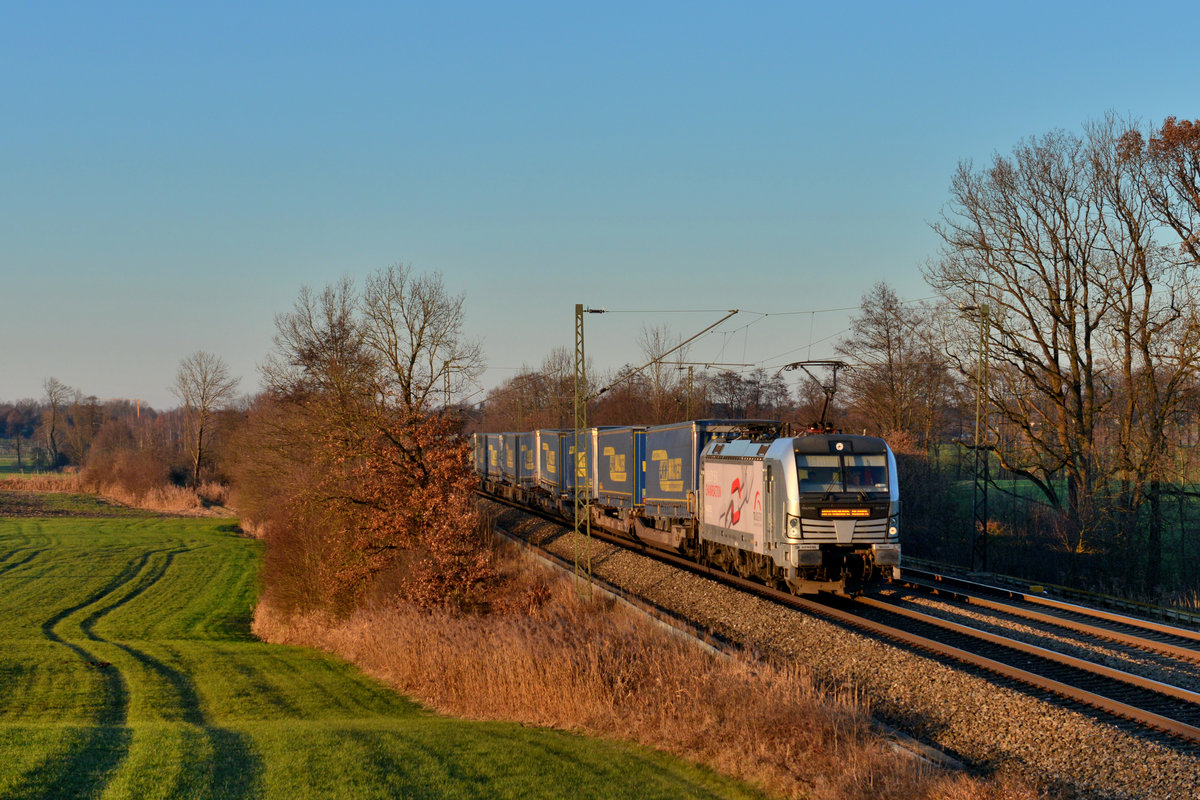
{"type": "Point", "coordinates": [594, 667]}
{"type": "Point", "coordinates": [166, 498]}
{"type": "Point", "coordinates": [44, 482]}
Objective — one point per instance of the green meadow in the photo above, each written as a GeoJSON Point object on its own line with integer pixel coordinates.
{"type": "Point", "coordinates": [127, 670]}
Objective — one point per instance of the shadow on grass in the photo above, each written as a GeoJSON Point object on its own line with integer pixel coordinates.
{"type": "Point", "coordinates": [433, 763]}
{"type": "Point", "coordinates": [85, 771]}
{"type": "Point", "coordinates": [233, 770]}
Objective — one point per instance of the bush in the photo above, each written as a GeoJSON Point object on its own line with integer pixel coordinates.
{"type": "Point", "coordinates": [355, 504]}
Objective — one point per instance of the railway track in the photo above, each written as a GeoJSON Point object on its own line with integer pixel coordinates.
{"type": "Point", "coordinates": [1140, 701]}
{"type": "Point", "coordinates": [1154, 704]}
{"type": "Point", "coordinates": [1171, 640]}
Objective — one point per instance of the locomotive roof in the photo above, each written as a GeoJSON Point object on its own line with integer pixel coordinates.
{"type": "Point", "coordinates": [850, 443]}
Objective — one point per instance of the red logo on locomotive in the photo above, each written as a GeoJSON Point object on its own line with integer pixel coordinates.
{"type": "Point", "coordinates": [735, 488]}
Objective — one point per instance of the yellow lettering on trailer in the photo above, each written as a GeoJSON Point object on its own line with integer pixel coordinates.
{"type": "Point", "coordinates": [670, 474]}
{"type": "Point", "coordinates": [616, 466]}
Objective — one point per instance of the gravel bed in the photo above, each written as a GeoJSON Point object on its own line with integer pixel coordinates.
{"type": "Point", "coordinates": [1127, 658]}
{"type": "Point", "coordinates": [988, 726]}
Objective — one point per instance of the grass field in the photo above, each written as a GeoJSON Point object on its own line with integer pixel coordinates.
{"type": "Point", "coordinates": [128, 671]}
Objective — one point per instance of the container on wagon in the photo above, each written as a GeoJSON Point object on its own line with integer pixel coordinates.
{"type": "Point", "coordinates": [619, 453]}
{"type": "Point", "coordinates": [551, 460]}
{"type": "Point", "coordinates": [671, 464]}
{"type": "Point", "coordinates": [488, 447]}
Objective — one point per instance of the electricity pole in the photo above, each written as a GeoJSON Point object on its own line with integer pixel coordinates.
{"type": "Point", "coordinates": [583, 517]}
{"type": "Point", "coordinates": [979, 495]}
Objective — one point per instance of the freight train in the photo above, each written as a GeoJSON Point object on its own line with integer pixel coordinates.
{"type": "Point", "coordinates": [812, 513]}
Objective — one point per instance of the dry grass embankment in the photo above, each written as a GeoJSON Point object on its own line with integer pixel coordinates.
{"type": "Point", "coordinates": [165, 499]}
{"type": "Point", "coordinates": [544, 656]}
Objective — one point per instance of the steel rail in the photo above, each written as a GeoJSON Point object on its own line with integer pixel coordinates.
{"type": "Point", "coordinates": [1092, 600]}
{"type": "Point", "coordinates": [1034, 650]}
{"type": "Point", "coordinates": [1062, 605]}
{"type": "Point", "coordinates": [1133, 640]}
{"type": "Point", "coordinates": [1108, 704]}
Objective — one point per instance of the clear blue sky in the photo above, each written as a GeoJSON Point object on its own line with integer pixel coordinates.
{"type": "Point", "coordinates": [171, 174]}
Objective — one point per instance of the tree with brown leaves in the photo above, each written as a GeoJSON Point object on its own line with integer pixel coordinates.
{"type": "Point", "coordinates": [354, 448]}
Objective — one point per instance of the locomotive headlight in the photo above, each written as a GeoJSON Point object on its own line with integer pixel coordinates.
{"type": "Point", "coordinates": [793, 527]}
{"type": "Point", "coordinates": [893, 527]}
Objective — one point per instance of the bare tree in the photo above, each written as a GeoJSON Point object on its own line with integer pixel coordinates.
{"type": "Point", "coordinates": [535, 398]}
{"type": "Point", "coordinates": [662, 384]}
{"type": "Point", "coordinates": [1174, 159]}
{"type": "Point", "coordinates": [558, 370]}
{"type": "Point", "coordinates": [1154, 337]}
{"type": "Point", "coordinates": [1093, 327]}
{"type": "Point", "coordinates": [352, 438]}
{"type": "Point", "coordinates": [901, 381]}
{"type": "Point", "coordinates": [83, 421]}
{"type": "Point", "coordinates": [414, 328]}
{"type": "Point", "coordinates": [204, 386]}
{"type": "Point", "coordinates": [729, 391]}
{"type": "Point", "coordinates": [22, 425]}
{"type": "Point", "coordinates": [320, 349]}
{"type": "Point", "coordinates": [1022, 238]}
{"type": "Point", "coordinates": [57, 396]}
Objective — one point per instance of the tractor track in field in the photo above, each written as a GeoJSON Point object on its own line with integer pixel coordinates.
{"type": "Point", "coordinates": [10, 561]}
{"type": "Point", "coordinates": [105, 744]}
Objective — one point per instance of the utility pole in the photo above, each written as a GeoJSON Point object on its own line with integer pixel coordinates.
{"type": "Point", "coordinates": [688, 409]}
{"type": "Point", "coordinates": [979, 495]}
{"type": "Point", "coordinates": [583, 517]}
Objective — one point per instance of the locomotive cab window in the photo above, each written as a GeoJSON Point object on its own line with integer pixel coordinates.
{"type": "Point", "coordinates": [819, 473]}
{"type": "Point", "coordinates": [866, 473]}
{"type": "Point", "coordinates": [845, 473]}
